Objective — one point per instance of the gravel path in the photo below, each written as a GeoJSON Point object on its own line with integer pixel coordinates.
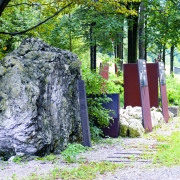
{"type": "Point", "coordinates": [120, 150]}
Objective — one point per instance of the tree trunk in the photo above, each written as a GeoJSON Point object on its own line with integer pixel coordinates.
{"type": "Point", "coordinates": [3, 4]}
{"type": "Point", "coordinates": [70, 38]}
{"type": "Point", "coordinates": [171, 59]}
{"type": "Point", "coordinates": [145, 33]}
{"type": "Point", "coordinates": [142, 50]}
{"type": "Point", "coordinates": [92, 49]}
{"type": "Point", "coordinates": [132, 39]}
{"type": "Point", "coordinates": [119, 51]}
{"type": "Point", "coordinates": [164, 54]}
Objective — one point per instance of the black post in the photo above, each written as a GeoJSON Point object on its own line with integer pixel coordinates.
{"type": "Point", "coordinates": [84, 114]}
{"type": "Point", "coordinates": [92, 48]}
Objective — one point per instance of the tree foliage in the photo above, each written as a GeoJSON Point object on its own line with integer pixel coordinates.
{"type": "Point", "coordinates": [163, 21]}
{"type": "Point", "coordinates": [44, 18]}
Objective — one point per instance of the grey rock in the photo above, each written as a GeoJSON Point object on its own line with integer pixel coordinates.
{"type": "Point", "coordinates": [124, 127]}
{"type": "Point", "coordinates": [135, 128]}
{"type": "Point", "coordinates": [174, 110]}
{"type": "Point", "coordinates": [131, 120]}
{"type": "Point", "coordinates": [39, 107]}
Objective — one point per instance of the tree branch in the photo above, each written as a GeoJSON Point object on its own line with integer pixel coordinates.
{"type": "Point", "coordinates": [32, 4]}
{"type": "Point", "coordinates": [24, 31]}
{"type": "Point", "coordinates": [28, 4]}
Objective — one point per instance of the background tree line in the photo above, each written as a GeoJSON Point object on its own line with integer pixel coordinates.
{"type": "Point", "coordinates": [128, 29]}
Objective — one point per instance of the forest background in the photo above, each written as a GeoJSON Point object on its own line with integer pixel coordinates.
{"type": "Point", "coordinates": [109, 31]}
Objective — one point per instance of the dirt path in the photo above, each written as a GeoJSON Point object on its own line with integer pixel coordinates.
{"type": "Point", "coordinates": [128, 151]}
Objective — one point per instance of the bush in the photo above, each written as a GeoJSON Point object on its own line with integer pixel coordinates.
{"type": "Point", "coordinates": [96, 89]}
{"type": "Point", "coordinates": [173, 90]}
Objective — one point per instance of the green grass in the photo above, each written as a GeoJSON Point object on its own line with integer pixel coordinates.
{"type": "Point", "coordinates": [83, 172]}
{"type": "Point", "coordinates": [70, 154]}
{"type": "Point", "coordinates": [108, 141]}
{"type": "Point", "coordinates": [50, 157]}
{"type": "Point", "coordinates": [168, 153]}
{"type": "Point", "coordinates": [168, 147]}
{"type": "Point", "coordinates": [17, 159]}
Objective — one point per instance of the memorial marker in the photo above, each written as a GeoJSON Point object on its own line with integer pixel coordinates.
{"type": "Point", "coordinates": [162, 82]}
{"type": "Point", "coordinates": [152, 75]}
{"type": "Point", "coordinates": [84, 114]}
{"type": "Point", "coordinates": [131, 85]}
{"type": "Point", "coordinates": [104, 70]}
{"type": "Point", "coordinates": [144, 93]}
{"type": "Point", "coordinates": [131, 81]}
{"type": "Point", "coordinates": [113, 129]}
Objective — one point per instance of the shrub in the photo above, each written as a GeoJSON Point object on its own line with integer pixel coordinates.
{"type": "Point", "coordinates": [96, 89]}
{"type": "Point", "coordinates": [173, 90]}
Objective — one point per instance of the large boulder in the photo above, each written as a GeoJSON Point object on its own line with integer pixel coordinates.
{"type": "Point", "coordinates": [39, 107]}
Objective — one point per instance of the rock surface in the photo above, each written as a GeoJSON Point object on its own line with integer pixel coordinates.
{"type": "Point", "coordinates": [131, 120]}
{"type": "Point", "coordinates": [39, 108]}
{"type": "Point", "coordinates": [174, 110]}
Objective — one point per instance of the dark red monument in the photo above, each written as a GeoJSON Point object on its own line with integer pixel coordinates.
{"type": "Point", "coordinates": [163, 93]}
{"type": "Point", "coordinates": [104, 70]}
{"type": "Point", "coordinates": [144, 94]}
{"type": "Point", "coordinates": [131, 84]}
{"type": "Point", "coordinates": [133, 93]}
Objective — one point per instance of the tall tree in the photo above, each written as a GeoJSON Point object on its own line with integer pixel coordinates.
{"type": "Point", "coordinates": [162, 25]}
{"type": "Point", "coordinates": [171, 59]}
{"type": "Point", "coordinates": [142, 45]}
{"type": "Point", "coordinates": [133, 34]}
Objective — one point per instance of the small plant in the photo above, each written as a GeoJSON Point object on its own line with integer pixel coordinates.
{"type": "Point", "coordinates": [115, 84]}
{"type": "Point", "coordinates": [50, 157]}
{"type": "Point", "coordinates": [14, 177]}
{"type": "Point", "coordinates": [17, 159]}
{"type": "Point", "coordinates": [72, 151]}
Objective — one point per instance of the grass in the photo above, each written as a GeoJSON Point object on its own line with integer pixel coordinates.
{"type": "Point", "coordinates": [108, 141]}
{"type": "Point", "coordinates": [70, 154]}
{"type": "Point", "coordinates": [50, 157]}
{"type": "Point", "coordinates": [168, 152]}
{"type": "Point", "coordinates": [168, 147]}
{"type": "Point", "coordinates": [84, 169]}
{"type": "Point", "coordinates": [82, 172]}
